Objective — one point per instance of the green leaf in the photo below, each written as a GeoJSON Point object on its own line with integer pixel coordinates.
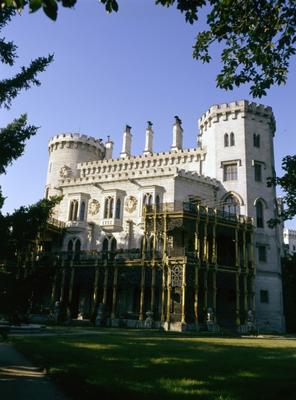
{"type": "Point", "coordinates": [50, 8]}
{"type": "Point", "coordinates": [35, 5]}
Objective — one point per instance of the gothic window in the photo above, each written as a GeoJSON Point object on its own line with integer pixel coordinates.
{"type": "Point", "coordinates": [256, 140]}
{"type": "Point", "coordinates": [77, 246]}
{"type": "Point", "coordinates": [147, 199]}
{"type": "Point", "coordinates": [231, 205]}
{"type": "Point", "coordinates": [82, 211]}
{"type": "Point", "coordinates": [157, 202]}
{"type": "Point", "coordinates": [258, 172]}
{"type": "Point", "coordinates": [113, 244]}
{"type": "Point", "coordinates": [226, 140]}
{"type": "Point", "coordinates": [232, 141]}
{"type": "Point", "coordinates": [73, 210]}
{"type": "Point", "coordinates": [118, 209]}
{"type": "Point", "coordinates": [262, 253]}
{"type": "Point", "coordinates": [230, 172]}
{"type": "Point", "coordinates": [108, 209]}
{"type": "Point", "coordinates": [70, 245]}
{"type": "Point", "coordinates": [259, 214]}
{"type": "Point", "coordinates": [264, 296]}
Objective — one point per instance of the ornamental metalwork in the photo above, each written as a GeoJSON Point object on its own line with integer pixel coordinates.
{"type": "Point", "coordinates": [177, 273]}
{"type": "Point", "coordinates": [175, 223]}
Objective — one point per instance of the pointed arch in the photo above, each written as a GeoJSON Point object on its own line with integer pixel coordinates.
{"type": "Point", "coordinates": [231, 203]}
{"type": "Point", "coordinates": [82, 211]}
{"type": "Point", "coordinates": [118, 209]}
{"type": "Point", "coordinates": [232, 140]}
{"type": "Point", "coordinates": [226, 140]}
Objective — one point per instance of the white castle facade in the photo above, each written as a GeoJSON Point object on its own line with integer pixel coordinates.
{"type": "Point", "coordinates": [104, 200]}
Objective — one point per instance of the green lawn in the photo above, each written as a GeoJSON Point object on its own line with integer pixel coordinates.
{"type": "Point", "coordinates": [142, 365]}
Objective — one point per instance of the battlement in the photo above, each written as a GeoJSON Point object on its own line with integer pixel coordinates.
{"type": "Point", "coordinates": [75, 138]}
{"type": "Point", "coordinates": [233, 110]}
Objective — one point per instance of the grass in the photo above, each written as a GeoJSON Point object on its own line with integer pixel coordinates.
{"type": "Point", "coordinates": [117, 364]}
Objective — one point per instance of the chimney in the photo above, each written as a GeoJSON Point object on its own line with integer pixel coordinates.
{"type": "Point", "coordinates": [148, 140]}
{"type": "Point", "coordinates": [108, 148]}
{"type": "Point", "coordinates": [177, 135]}
{"type": "Point", "coordinates": [127, 142]}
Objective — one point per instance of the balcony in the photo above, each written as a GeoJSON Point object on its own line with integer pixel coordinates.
{"type": "Point", "coordinates": [76, 226]}
{"type": "Point", "coordinates": [111, 224]}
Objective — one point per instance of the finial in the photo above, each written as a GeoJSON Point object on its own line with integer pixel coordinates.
{"type": "Point", "coordinates": [149, 124]}
{"type": "Point", "coordinates": [128, 128]}
{"type": "Point", "coordinates": [178, 121]}
{"type": "Point", "coordinates": [108, 138]}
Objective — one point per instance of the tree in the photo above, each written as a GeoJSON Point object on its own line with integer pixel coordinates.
{"type": "Point", "coordinates": [288, 184]}
{"type": "Point", "coordinates": [15, 134]}
{"type": "Point", "coordinates": [258, 36]}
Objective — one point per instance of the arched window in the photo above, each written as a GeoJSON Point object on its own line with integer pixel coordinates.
{"type": "Point", "coordinates": [157, 202]}
{"type": "Point", "coordinates": [118, 209]}
{"type": "Point", "coordinates": [147, 199]}
{"type": "Point", "coordinates": [77, 246]}
{"type": "Point", "coordinates": [82, 211]}
{"type": "Point", "coordinates": [226, 140]}
{"type": "Point", "coordinates": [108, 209]}
{"type": "Point", "coordinates": [70, 245]}
{"type": "Point", "coordinates": [113, 244]}
{"type": "Point", "coordinates": [231, 205]}
{"type": "Point", "coordinates": [256, 140]}
{"type": "Point", "coordinates": [232, 142]}
{"type": "Point", "coordinates": [259, 214]}
{"type": "Point", "coordinates": [73, 210]}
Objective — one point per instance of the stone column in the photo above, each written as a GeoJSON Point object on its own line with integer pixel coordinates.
{"type": "Point", "coordinates": [196, 284]}
{"type": "Point", "coordinates": [142, 295]}
{"type": "Point", "coordinates": [183, 312]}
{"type": "Point", "coordinates": [105, 286]}
{"type": "Point", "coordinates": [237, 305]}
{"type": "Point", "coordinates": [215, 294]}
{"type": "Point", "coordinates": [114, 295]}
{"type": "Point", "coordinates": [169, 294]}
{"type": "Point", "coordinates": [163, 294]}
{"type": "Point", "coordinates": [153, 279]}
{"type": "Point", "coordinates": [95, 292]}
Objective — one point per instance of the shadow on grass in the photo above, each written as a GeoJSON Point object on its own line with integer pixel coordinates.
{"type": "Point", "coordinates": [157, 366]}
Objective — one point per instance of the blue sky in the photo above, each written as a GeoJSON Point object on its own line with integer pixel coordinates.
{"type": "Point", "coordinates": [116, 69]}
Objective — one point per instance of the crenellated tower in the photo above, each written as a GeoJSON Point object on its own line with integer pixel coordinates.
{"type": "Point", "coordinates": [237, 139]}
{"type": "Point", "coordinates": [65, 152]}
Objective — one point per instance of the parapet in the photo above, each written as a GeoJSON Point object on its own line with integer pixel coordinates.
{"type": "Point", "coordinates": [64, 138]}
{"type": "Point", "coordinates": [233, 110]}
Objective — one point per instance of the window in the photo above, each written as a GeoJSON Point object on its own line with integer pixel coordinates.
{"type": "Point", "coordinates": [256, 140]}
{"type": "Point", "coordinates": [294, 248]}
{"type": "Point", "coordinates": [226, 140]}
{"type": "Point", "coordinates": [259, 214]}
{"type": "Point", "coordinates": [73, 210]}
{"type": "Point", "coordinates": [258, 172]}
{"type": "Point", "coordinates": [232, 142]}
{"type": "Point", "coordinates": [230, 172]}
{"type": "Point", "coordinates": [118, 209]}
{"type": "Point", "coordinates": [82, 211]}
{"type": "Point", "coordinates": [264, 296]}
{"type": "Point", "coordinates": [147, 199]}
{"type": "Point", "coordinates": [262, 253]}
{"type": "Point", "coordinates": [108, 209]}
{"type": "Point", "coordinates": [231, 205]}
{"type": "Point", "coordinates": [157, 202]}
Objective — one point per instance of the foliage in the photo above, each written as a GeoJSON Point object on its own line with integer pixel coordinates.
{"type": "Point", "coordinates": [15, 134]}
{"type": "Point", "coordinates": [288, 184]}
{"type": "Point", "coordinates": [289, 291]}
{"type": "Point", "coordinates": [258, 37]}
{"type": "Point", "coordinates": [155, 365]}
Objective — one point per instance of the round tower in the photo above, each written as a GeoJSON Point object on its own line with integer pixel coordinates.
{"type": "Point", "coordinates": [65, 152]}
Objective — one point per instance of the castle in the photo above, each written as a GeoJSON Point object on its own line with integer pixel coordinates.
{"type": "Point", "coordinates": [177, 239]}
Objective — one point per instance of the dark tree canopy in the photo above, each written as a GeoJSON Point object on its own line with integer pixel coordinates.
{"type": "Point", "coordinates": [258, 36]}
{"type": "Point", "coordinates": [15, 134]}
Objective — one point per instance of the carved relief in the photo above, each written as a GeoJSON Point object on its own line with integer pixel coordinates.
{"type": "Point", "coordinates": [177, 273]}
{"type": "Point", "coordinates": [65, 172]}
{"type": "Point", "coordinates": [94, 207]}
{"type": "Point", "coordinates": [130, 204]}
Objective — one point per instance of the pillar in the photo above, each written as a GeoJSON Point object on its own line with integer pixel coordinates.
{"type": "Point", "coordinates": [62, 294]}
{"type": "Point", "coordinates": [105, 286]}
{"type": "Point", "coordinates": [163, 294]}
{"type": "Point", "coordinates": [114, 295]}
{"type": "Point", "coordinates": [237, 305]}
{"type": "Point", "coordinates": [237, 258]}
{"type": "Point", "coordinates": [95, 293]}
{"type": "Point", "coordinates": [183, 310]}
{"type": "Point", "coordinates": [142, 295]}
{"type": "Point", "coordinates": [153, 279]}
{"type": "Point", "coordinates": [169, 294]}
